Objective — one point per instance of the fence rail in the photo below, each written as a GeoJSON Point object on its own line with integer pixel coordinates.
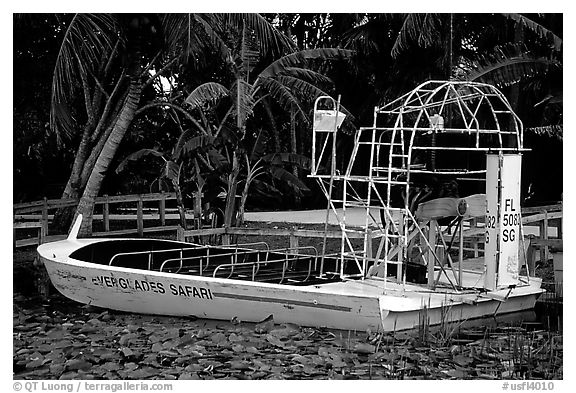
{"type": "Point", "coordinates": [39, 213]}
{"type": "Point", "coordinates": [293, 234]}
{"type": "Point", "coordinates": [35, 215]}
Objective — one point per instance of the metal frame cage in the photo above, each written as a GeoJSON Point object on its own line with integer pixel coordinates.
{"type": "Point", "coordinates": [441, 130]}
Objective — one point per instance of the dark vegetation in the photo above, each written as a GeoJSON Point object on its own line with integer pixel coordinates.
{"type": "Point", "coordinates": [220, 109]}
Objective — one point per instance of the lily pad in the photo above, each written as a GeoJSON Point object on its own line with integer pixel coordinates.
{"type": "Point", "coordinates": [364, 348]}
{"type": "Point", "coordinates": [78, 364]}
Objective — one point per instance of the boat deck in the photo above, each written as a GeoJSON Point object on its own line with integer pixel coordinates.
{"type": "Point", "coordinates": [268, 266]}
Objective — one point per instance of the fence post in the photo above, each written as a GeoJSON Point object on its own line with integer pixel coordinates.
{"type": "Point", "coordinates": [225, 237]}
{"type": "Point", "coordinates": [558, 223]}
{"type": "Point", "coordinates": [43, 232]}
{"type": "Point", "coordinates": [140, 216]}
{"type": "Point", "coordinates": [531, 257]}
{"type": "Point", "coordinates": [180, 236]}
{"type": "Point", "coordinates": [162, 209]}
{"type": "Point", "coordinates": [45, 215]}
{"type": "Point", "coordinates": [198, 209]}
{"type": "Point", "coordinates": [474, 239]}
{"type": "Point", "coordinates": [106, 214]}
{"type": "Point", "coordinates": [293, 241]}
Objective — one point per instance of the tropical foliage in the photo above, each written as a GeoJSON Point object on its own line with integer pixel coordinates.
{"type": "Point", "coordinates": [224, 100]}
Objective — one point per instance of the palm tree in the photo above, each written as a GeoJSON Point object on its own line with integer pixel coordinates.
{"type": "Point", "coordinates": [109, 63]}
{"type": "Point", "coordinates": [188, 148]}
{"type": "Point", "coordinates": [529, 63]}
{"type": "Point", "coordinates": [285, 81]}
{"type": "Point", "coordinates": [521, 54]}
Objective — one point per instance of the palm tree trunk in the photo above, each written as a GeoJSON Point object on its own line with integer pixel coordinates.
{"type": "Point", "coordinates": [232, 186]}
{"type": "Point", "coordinates": [293, 149]}
{"type": "Point", "coordinates": [180, 203]}
{"type": "Point", "coordinates": [241, 207]}
{"type": "Point", "coordinates": [63, 217]}
{"type": "Point", "coordinates": [86, 204]}
{"type": "Point", "coordinates": [273, 127]}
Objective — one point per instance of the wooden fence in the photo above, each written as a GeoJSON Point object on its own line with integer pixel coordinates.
{"type": "Point", "coordinates": [38, 215]}
{"type": "Point", "coordinates": [292, 234]}
{"type": "Point", "coordinates": [544, 217]}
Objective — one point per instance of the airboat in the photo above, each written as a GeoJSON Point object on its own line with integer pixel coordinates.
{"type": "Point", "coordinates": [425, 251]}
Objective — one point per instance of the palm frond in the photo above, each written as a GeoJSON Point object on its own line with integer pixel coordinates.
{"type": "Point", "coordinates": [187, 35]}
{"type": "Point", "coordinates": [288, 158]}
{"type": "Point", "coordinates": [363, 38]}
{"type": "Point", "coordinates": [301, 58]}
{"type": "Point", "coordinates": [266, 189]}
{"type": "Point", "coordinates": [537, 28]}
{"type": "Point", "coordinates": [137, 155]}
{"type": "Point", "coordinates": [505, 71]}
{"type": "Point", "coordinates": [308, 92]}
{"type": "Point", "coordinates": [555, 98]}
{"type": "Point", "coordinates": [217, 159]}
{"type": "Point", "coordinates": [244, 101]}
{"type": "Point", "coordinates": [171, 171]}
{"type": "Point", "coordinates": [249, 53]}
{"type": "Point", "coordinates": [283, 96]}
{"type": "Point", "coordinates": [270, 39]}
{"type": "Point", "coordinates": [307, 75]}
{"type": "Point", "coordinates": [301, 88]}
{"type": "Point", "coordinates": [227, 134]}
{"type": "Point", "coordinates": [209, 92]}
{"type": "Point", "coordinates": [191, 145]}
{"type": "Point", "coordinates": [287, 177]}
{"type": "Point", "coordinates": [421, 28]}
{"type": "Point", "coordinates": [554, 131]}
{"type": "Point", "coordinates": [87, 39]}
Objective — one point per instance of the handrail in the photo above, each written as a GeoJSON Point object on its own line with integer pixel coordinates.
{"type": "Point", "coordinates": [235, 253]}
{"type": "Point", "coordinates": [297, 249]}
{"type": "Point", "coordinates": [151, 252]}
{"type": "Point", "coordinates": [257, 264]}
{"type": "Point", "coordinates": [237, 245]}
{"type": "Point", "coordinates": [191, 258]}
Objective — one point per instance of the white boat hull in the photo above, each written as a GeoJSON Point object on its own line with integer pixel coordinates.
{"type": "Point", "coordinates": [347, 305]}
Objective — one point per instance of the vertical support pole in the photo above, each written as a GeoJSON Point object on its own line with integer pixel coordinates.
{"type": "Point", "coordinates": [140, 216]}
{"type": "Point", "coordinates": [431, 259]}
{"type": "Point", "coordinates": [331, 184]}
{"type": "Point", "coordinates": [544, 252]}
{"type": "Point", "coordinates": [369, 253]}
{"type": "Point", "coordinates": [461, 254]}
{"type": "Point", "coordinates": [293, 241]}
{"type": "Point", "coordinates": [106, 213]}
{"type": "Point", "coordinates": [162, 209]}
{"type": "Point", "coordinates": [403, 244]}
{"type": "Point", "coordinates": [45, 214]}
